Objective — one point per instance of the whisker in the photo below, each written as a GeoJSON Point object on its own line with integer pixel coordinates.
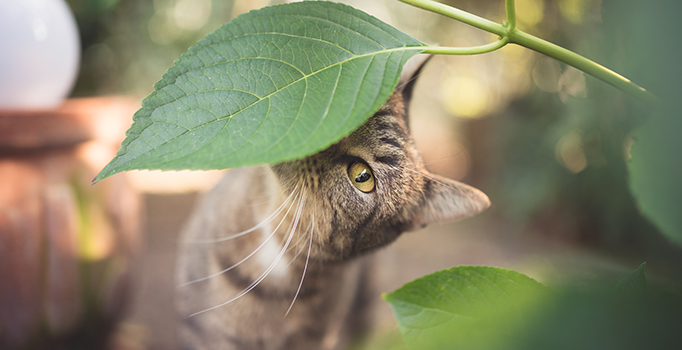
{"type": "Point", "coordinates": [305, 267]}
{"type": "Point", "coordinates": [267, 272]}
{"type": "Point", "coordinates": [296, 245]}
{"type": "Point", "coordinates": [254, 228]}
{"type": "Point", "coordinates": [244, 259]}
{"type": "Point", "coordinates": [302, 238]}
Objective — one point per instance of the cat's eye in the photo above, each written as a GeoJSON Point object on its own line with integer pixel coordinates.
{"type": "Point", "coordinates": [361, 176]}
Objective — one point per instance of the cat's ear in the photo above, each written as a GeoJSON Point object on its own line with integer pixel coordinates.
{"type": "Point", "coordinates": [448, 200]}
{"type": "Point", "coordinates": [408, 77]}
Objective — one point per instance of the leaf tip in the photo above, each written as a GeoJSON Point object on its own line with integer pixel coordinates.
{"type": "Point", "coordinates": [634, 284]}
{"type": "Point", "coordinates": [103, 174]}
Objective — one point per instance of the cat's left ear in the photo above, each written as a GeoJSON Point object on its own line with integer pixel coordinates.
{"type": "Point", "coordinates": [408, 77]}
{"type": "Point", "coordinates": [447, 200]}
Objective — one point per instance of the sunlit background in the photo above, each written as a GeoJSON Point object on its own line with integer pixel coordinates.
{"type": "Point", "coordinates": [527, 129]}
{"type": "Point", "coordinates": [128, 45]}
{"type": "Point", "coordinates": [548, 144]}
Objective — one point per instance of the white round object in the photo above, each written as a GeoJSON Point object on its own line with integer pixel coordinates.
{"type": "Point", "coordinates": [39, 55]}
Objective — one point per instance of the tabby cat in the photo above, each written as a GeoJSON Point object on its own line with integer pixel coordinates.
{"type": "Point", "coordinates": [307, 225]}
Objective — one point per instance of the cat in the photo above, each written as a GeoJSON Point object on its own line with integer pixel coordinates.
{"type": "Point", "coordinates": [307, 225]}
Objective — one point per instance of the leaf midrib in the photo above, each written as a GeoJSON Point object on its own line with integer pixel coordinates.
{"type": "Point", "coordinates": [204, 66]}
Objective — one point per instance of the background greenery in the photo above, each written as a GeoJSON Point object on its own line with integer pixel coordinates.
{"type": "Point", "coordinates": [550, 146]}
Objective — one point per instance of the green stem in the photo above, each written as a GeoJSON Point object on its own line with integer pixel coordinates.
{"type": "Point", "coordinates": [462, 16]}
{"type": "Point", "coordinates": [474, 50]}
{"type": "Point", "coordinates": [588, 66]}
{"type": "Point", "coordinates": [511, 34]}
{"type": "Point", "coordinates": [511, 15]}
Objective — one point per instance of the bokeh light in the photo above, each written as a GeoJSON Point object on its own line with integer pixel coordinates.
{"type": "Point", "coordinates": [570, 152]}
{"type": "Point", "coordinates": [466, 97]}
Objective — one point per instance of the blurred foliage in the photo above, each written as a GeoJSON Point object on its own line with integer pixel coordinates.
{"type": "Point", "coordinates": [465, 306]}
{"type": "Point", "coordinates": [656, 170]}
{"type": "Point", "coordinates": [634, 284]}
{"type": "Point", "coordinates": [555, 160]}
{"type": "Point", "coordinates": [549, 145]}
{"type": "Point", "coordinates": [559, 154]}
{"type": "Point", "coordinates": [128, 44]}
{"type": "Point", "coordinates": [654, 57]}
{"type": "Point", "coordinates": [477, 307]}
{"type": "Point", "coordinates": [92, 7]}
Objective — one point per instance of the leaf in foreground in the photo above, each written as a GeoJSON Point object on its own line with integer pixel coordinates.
{"type": "Point", "coordinates": [272, 85]}
{"type": "Point", "coordinates": [656, 170]}
{"type": "Point", "coordinates": [461, 306]}
{"type": "Point", "coordinates": [634, 284]}
{"type": "Point", "coordinates": [486, 308]}
{"type": "Point", "coordinates": [656, 165]}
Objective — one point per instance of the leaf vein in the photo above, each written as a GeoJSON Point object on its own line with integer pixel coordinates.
{"type": "Point", "coordinates": [304, 77]}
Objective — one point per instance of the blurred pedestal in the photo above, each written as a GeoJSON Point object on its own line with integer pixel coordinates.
{"type": "Point", "coordinates": [66, 247]}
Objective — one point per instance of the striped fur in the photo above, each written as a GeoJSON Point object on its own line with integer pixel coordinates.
{"type": "Point", "coordinates": [305, 227]}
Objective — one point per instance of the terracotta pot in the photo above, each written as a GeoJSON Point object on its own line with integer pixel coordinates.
{"type": "Point", "coordinates": [66, 247]}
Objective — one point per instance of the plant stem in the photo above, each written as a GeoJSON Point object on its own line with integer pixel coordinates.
{"type": "Point", "coordinates": [462, 16]}
{"type": "Point", "coordinates": [588, 66]}
{"type": "Point", "coordinates": [510, 34]}
{"type": "Point", "coordinates": [474, 50]}
{"type": "Point", "coordinates": [511, 15]}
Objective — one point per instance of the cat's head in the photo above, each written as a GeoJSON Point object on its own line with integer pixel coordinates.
{"type": "Point", "coordinates": [364, 191]}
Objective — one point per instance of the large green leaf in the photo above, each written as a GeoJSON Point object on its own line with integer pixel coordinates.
{"type": "Point", "coordinates": [272, 85]}
{"type": "Point", "coordinates": [650, 47]}
{"type": "Point", "coordinates": [656, 170]}
{"type": "Point", "coordinates": [463, 306]}
{"type": "Point", "coordinates": [486, 308]}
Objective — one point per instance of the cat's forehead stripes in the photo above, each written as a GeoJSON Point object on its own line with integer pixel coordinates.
{"type": "Point", "coordinates": [394, 107]}
{"type": "Point", "coordinates": [389, 136]}
{"type": "Point", "coordinates": [314, 204]}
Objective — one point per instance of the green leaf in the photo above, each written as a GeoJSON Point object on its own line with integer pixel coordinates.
{"type": "Point", "coordinates": [272, 85]}
{"type": "Point", "coordinates": [656, 171]}
{"type": "Point", "coordinates": [634, 284]}
{"type": "Point", "coordinates": [647, 29]}
{"type": "Point", "coordinates": [462, 306]}
{"type": "Point", "coordinates": [596, 321]}
{"type": "Point", "coordinates": [486, 308]}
